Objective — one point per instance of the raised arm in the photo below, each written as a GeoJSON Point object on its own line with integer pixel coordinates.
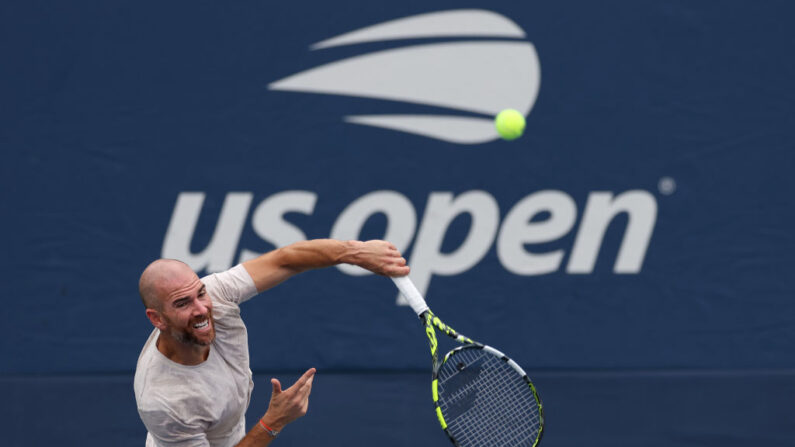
{"type": "Point", "coordinates": [272, 268]}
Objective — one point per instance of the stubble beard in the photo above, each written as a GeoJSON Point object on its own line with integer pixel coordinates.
{"type": "Point", "coordinates": [185, 336]}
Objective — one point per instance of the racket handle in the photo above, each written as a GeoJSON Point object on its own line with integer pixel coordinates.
{"type": "Point", "coordinates": [413, 296]}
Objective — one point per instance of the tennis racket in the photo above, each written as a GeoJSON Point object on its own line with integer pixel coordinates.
{"type": "Point", "coordinates": [482, 397]}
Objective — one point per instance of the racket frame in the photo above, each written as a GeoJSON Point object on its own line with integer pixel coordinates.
{"type": "Point", "coordinates": [432, 322]}
{"type": "Point", "coordinates": [417, 303]}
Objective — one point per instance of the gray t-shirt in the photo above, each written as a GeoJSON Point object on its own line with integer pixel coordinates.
{"type": "Point", "coordinates": [205, 404]}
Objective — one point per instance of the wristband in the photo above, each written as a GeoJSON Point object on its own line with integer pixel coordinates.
{"type": "Point", "coordinates": [273, 433]}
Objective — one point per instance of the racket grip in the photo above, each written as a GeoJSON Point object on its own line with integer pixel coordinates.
{"type": "Point", "coordinates": [413, 296]}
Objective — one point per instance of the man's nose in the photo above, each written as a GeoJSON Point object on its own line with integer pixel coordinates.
{"type": "Point", "coordinates": [200, 308]}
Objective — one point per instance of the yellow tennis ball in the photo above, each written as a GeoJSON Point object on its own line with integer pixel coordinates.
{"type": "Point", "coordinates": [509, 124]}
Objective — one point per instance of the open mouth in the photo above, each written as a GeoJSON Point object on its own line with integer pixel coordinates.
{"type": "Point", "coordinates": [202, 326]}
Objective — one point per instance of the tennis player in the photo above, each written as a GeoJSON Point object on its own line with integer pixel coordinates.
{"type": "Point", "coordinates": [192, 382]}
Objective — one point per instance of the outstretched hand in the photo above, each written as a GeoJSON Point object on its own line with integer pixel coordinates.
{"type": "Point", "coordinates": [290, 404]}
{"type": "Point", "coordinates": [380, 257]}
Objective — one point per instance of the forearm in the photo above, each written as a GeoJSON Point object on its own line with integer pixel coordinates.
{"type": "Point", "coordinates": [278, 265]}
{"type": "Point", "coordinates": [318, 253]}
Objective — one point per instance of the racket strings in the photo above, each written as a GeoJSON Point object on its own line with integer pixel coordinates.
{"type": "Point", "coordinates": [486, 402]}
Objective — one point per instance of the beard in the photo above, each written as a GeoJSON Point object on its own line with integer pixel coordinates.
{"type": "Point", "coordinates": [185, 336]}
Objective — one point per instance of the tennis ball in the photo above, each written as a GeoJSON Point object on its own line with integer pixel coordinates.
{"type": "Point", "coordinates": [509, 124]}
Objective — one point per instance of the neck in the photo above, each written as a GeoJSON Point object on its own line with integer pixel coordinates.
{"type": "Point", "coordinates": [179, 352]}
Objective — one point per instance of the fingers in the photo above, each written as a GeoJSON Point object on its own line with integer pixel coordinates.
{"type": "Point", "coordinates": [398, 267]}
{"type": "Point", "coordinates": [385, 259]}
{"type": "Point", "coordinates": [304, 383]}
{"type": "Point", "coordinates": [277, 386]}
{"type": "Point", "coordinates": [303, 392]}
{"type": "Point", "coordinates": [388, 261]}
{"type": "Point", "coordinates": [300, 391]}
{"type": "Point", "coordinates": [307, 376]}
{"type": "Point", "coordinates": [398, 270]}
{"type": "Point", "coordinates": [308, 384]}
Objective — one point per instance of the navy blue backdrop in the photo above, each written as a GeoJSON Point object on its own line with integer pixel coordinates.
{"type": "Point", "coordinates": [632, 250]}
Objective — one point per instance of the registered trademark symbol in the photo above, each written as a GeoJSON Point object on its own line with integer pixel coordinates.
{"type": "Point", "coordinates": [666, 186]}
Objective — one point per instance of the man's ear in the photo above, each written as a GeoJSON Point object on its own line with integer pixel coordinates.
{"type": "Point", "coordinates": [156, 319]}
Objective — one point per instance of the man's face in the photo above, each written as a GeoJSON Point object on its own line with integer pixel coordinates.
{"type": "Point", "coordinates": [187, 311]}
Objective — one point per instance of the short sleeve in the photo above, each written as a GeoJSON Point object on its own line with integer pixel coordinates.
{"type": "Point", "coordinates": [234, 285]}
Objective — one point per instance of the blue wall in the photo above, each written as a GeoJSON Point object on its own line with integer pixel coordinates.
{"type": "Point", "coordinates": [637, 239]}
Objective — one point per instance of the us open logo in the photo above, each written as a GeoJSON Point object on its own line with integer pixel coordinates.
{"type": "Point", "coordinates": [475, 79]}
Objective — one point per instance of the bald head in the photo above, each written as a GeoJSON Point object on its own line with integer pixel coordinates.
{"type": "Point", "coordinates": [159, 277]}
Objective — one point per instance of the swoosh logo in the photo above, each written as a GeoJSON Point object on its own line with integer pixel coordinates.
{"type": "Point", "coordinates": [472, 76]}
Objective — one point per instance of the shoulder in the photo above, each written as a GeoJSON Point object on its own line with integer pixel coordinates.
{"type": "Point", "coordinates": [234, 285]}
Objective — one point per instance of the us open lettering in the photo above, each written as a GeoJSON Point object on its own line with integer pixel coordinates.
{"type": "Point", "coordinates": [518, 230]}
